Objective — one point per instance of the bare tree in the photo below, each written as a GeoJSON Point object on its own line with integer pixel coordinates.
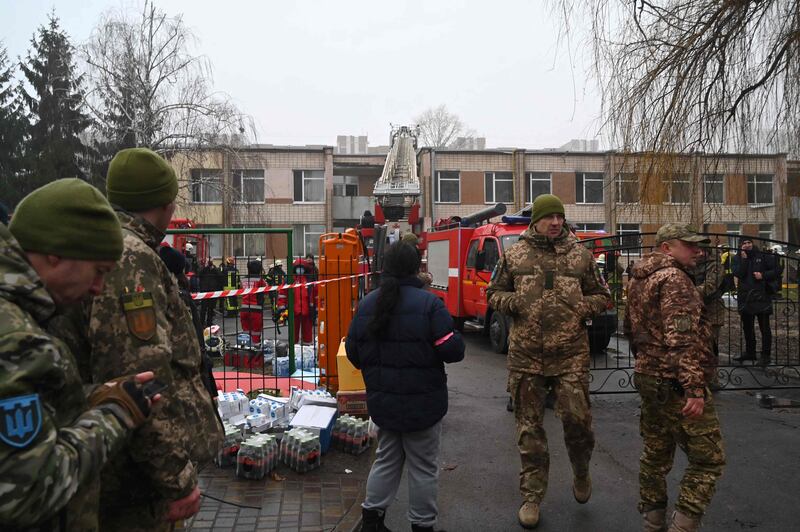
{"type": "Point", "coordinates": [148, 89]}
{"type": "Point", "coordinates": [705, 75]}
{"type": "Point", "coordinates": [439, 128]}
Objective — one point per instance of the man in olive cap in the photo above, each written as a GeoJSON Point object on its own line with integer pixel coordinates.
{"type": "Point", "coordinates": [670, 337]}
{"type": "Point", "coordinates": [550, 285]}
{"type": "Point", "coordinates": [53, 439]}
{"type": "Point", "coordinates": [139, 323]}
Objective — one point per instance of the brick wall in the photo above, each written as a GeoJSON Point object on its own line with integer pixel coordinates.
{"type": "Point", "coordinates": [279, 165]}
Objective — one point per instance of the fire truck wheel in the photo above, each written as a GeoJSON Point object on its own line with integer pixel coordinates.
{"type": "Point", "coordinates": [498, 333]}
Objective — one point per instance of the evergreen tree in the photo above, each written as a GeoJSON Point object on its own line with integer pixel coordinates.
{"type": "Point", "coordinates": [12, 134]}
{"type": "Point", "coordinates": [55, 148]}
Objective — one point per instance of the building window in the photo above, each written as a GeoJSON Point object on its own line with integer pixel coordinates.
{"type": "Point", "coordinates": [448, 187]}
{"type": "Point", "coordinates": [678, 189]}
{"type": "Point", "coordinates": [588, 188]}
{"type": "Point", "coordinates": [538, 183]}
{"type": "Point", "coordinates": [248, 186]}
{"type": "Point", "coordinates": [214, 250]}
{"type": "Point", "coordinates": [628, 235]}
{"type": "Point", "coordinates": [498, 187]}
{"type": "Point", "coordinates": [309, 186]}
{"type": "Point", "coordinates": [206, 186]}
{"type": "Point", "coordinates": [306, 239]}
{"type": "Point", "coordinates": [345, 185]}
{"type": "Point", "coordinates": [214, 246]}
{"type": "Point", "coordinates": [733, 231]}
{"type": "Point", "coordinates": [249, 245]}
{"type": "Point", "coordinates": [627, 188]}
{"type": "Point", "coordinates": [759, 189]}
{"type": "Point", "coordinates": [714, 188]}
{"type": "Point", "coordinates": [592, 226]}
{"type": "Point", "coordinates": [765, 232]}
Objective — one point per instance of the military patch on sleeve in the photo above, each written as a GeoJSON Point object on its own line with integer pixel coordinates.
{"type": "Point", "coordinates": [20, 420]}
{"type": "Point", "coordinates": [683, 323]}
{"type": "Point", "coordinates": [140, 314]}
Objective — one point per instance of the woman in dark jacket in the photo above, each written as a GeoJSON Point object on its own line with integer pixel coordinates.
{"type": "Point", "coordinates": [400, 338]}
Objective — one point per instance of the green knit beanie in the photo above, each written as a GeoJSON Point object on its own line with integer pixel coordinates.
{"type": "Point", "coordinates": [68, 218]}
{"type": "Point", "coordinates": [139, 180]}
{"type": "Point", "coordinates": [545, 205]}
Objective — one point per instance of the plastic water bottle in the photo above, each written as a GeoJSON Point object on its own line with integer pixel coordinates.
{"type": "Point", "coordinates": [350, 436]}
{"type": "Point", "coordinates": [285, 447]}
{"type": "Point", "coordinates": [358, 446]}
{"type": "Point", "coordinates": [297, 444]}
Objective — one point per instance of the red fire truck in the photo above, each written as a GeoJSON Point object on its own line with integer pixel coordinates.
{"type": "Point", "coordinates": [461, 256]}
{"type": "Point", "coordinates": [199, 242]}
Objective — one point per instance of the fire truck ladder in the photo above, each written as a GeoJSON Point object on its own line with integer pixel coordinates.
{"type": "Point", "coordinates": [398, 188]}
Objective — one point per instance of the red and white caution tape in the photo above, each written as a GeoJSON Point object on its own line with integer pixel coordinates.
{"type": "Point", "coordinates": [263, 289]}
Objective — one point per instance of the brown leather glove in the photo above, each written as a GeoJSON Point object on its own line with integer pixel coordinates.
{"type": "Point", "coordinates": [124, 393]}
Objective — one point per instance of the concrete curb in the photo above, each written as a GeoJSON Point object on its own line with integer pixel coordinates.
{"type": "Point", "coordinates": [351, 522]}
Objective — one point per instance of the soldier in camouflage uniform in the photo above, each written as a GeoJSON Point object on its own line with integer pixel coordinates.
{"type": "Point", "coordinates": [550, 285]}
{"type": "Point", "coordinates": [709, 277]}
{"type": "Point", "coordinates": [52, 442]}
{"type": "Point", "coordinates": [140, 323]}
{"type": "Point", "coordinates": [669, 335]}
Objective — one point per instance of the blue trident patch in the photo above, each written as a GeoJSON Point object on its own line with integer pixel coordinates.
{"type": "Point", "coordinates": [20, 420]}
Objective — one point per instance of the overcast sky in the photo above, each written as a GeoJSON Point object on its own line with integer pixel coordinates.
{"type": "Point", "coordinates": [307, 71]}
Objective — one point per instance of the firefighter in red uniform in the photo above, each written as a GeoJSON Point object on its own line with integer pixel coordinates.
{"type": "Point", "coordinates": [305, 298]}
{"type": "Point", "coordinates": [252, 309]}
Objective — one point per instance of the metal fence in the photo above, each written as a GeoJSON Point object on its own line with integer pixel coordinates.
{"type": "Point", "coordinates": [272, 323]}
{"type": "Point", "coordinates": [612, 368]}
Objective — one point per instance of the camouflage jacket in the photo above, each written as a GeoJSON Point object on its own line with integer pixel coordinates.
{"type": "Point", "coordinates": [664, 323]}
{"type": "Point", "coordinates": [139, 323]}
{"type": "Point", "coordinates": [549, 287]}
{"type": "Point", "coordinates": [52, 446]}
{"type": "Point", "coordinates": [709, 277]}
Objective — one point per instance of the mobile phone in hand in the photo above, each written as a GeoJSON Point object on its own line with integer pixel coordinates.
{"type": "Point", "coordinates": [153, 387]}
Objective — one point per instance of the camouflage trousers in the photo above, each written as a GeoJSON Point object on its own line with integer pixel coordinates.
{"type": "Point", "coordinates": [572, 406]}
{"type": "Point", "coordinates": [663, 427]}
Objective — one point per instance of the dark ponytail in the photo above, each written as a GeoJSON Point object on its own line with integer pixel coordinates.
{"type": "Point", "coordinates": [401, 260]}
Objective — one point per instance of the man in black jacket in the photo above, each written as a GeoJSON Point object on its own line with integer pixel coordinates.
{"type": "Point", "coordinates": [758, 274]}
{"type": "Point", "coordinates": [210, 281]}
{"type": "Point", "coordinates": [176, 263]}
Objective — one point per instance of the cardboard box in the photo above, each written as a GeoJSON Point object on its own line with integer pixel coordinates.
{"type": "Point", "coordinates": [318, 401]}
{"type": "Point", "coordinates": [353, 402]}
{"type": "Point", "coordinates": [317, 419]}
{"type": "Point", "coordinates": [349, 377]}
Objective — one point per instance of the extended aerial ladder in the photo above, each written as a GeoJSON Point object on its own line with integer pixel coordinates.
{"type": "Point", "coordinates": [348, 259]}
{"type": "Point", "coordinates": [398, 190]}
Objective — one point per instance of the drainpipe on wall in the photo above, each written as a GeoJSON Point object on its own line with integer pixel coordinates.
{"type": "Point", "coordinates": [328, 173]}
{"type": "Point", "coordinates": [696, 205]}
{"type": "Point", "coordinates": [518, 164]}
{"type": "Point", "coordinates": [782, 208]}
{"type": "Point", "coordinates": [227, 214]}
{"type": "Point", "coordinates": [433, 184]}
{"type": "Point", "coordinates": [610, 206]}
